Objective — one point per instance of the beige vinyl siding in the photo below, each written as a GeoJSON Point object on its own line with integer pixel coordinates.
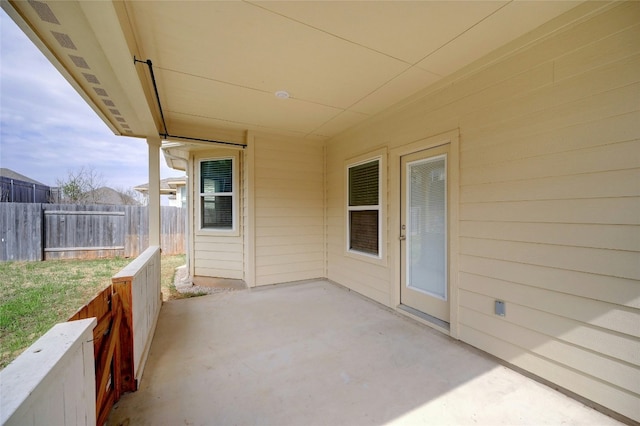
{"type": "Point", "coordinates": [366, 275]}
{"type": "Point", "coordinates": [289, 219]}
{"type": "Point", "coordinates": [216, 257]}
{"type": "Point", "coordinates": [218, 254]}
{"type": "Point", "coordinates": [549, 202]}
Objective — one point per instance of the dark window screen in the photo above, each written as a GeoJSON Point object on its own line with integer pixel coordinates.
{"type": "Point", "coordinates": [364, 192]}
{"type": "Point", "coordinates": [363, 227]}
{"type": "Point", "coordinates": [216, 180]}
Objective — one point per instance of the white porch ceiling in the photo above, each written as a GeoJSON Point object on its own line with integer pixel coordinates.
{"type": "Point", "coordinates": [218, 64]}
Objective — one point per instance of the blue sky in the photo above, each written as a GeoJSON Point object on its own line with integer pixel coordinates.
{"type": "Point", "coordinates": [46, 128]}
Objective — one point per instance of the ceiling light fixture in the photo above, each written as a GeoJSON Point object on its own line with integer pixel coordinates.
{"type": "Point", "coordinates": [282, 94]}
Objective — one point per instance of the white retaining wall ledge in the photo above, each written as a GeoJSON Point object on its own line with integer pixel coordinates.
{"type": "Point", "coordinates": [146, 301]}
{"type": "Point", "coordinates": [52, 382]}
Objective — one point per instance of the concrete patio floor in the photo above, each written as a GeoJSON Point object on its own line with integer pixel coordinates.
{"type": "Point", "coordinates": [316, 354]}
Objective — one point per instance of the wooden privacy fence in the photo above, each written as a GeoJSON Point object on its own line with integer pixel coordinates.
{"type": "Point", "coordinates": [21, 228]}
{"type": "Point", "coordinates": [32, 232]}
{"type": "Point", "coordinates": [77, 231]}
{"type": "Point", "coordinates": [172, 230]}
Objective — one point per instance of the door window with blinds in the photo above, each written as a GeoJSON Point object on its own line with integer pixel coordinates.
{"type": "Point", "coordinates": [363, 208]}
{"type": "Point", "coordinates": [217, 193]}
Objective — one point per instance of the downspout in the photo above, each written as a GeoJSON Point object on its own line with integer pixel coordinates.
{"type": "Point", "coordinates": [250, 225]}
{"type": "Point", "coordinates": [191, 216]}
{"type": "Point", "coordinates": [325, 207]}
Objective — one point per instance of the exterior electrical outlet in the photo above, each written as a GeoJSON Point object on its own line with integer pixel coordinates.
{"type": "Point", "coordinates": [500, 308]}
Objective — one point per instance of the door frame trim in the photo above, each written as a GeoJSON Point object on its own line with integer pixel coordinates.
{"type": "Point", "coordinates": [451, 138]}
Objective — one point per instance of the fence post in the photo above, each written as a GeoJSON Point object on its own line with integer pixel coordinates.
{"type": "Point", "coordinates": [122, 287]}
{"type": "Point", "coordinates": [43, 224]}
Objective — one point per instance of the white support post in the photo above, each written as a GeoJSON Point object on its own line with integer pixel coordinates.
{"type": "Point", "coordinates": [154, 190]}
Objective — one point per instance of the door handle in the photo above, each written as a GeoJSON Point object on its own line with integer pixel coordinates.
{"type": "Point", "coordinates": [402, 237]}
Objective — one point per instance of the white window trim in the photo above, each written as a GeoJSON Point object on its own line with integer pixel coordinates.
{"type": "Point", "coordinates": [234, 231]}
{"type": "Point", "coordinates": [378, 207]}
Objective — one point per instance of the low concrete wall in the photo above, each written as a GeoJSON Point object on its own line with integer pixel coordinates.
{"type": "Point", "coordinates": [52, 382]}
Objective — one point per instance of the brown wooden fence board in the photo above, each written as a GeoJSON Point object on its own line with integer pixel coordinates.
{"type": "Point", "coordinates": [111, 350]}
{"type": "Point", "coordinates": [99, 307]}
{"type": "Point", "coordinates": [127, 381]}
{"type": "Point", "coordinates": [105, 377]}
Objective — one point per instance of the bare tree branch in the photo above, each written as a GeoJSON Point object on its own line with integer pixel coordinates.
{"type": "Point", "coordinates": [79, 186]}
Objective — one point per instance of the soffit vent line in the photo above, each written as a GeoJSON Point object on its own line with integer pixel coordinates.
{"type": "Point", "coordinates": [166, 133]}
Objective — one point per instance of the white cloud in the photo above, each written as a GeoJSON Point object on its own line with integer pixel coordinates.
{"type": "Point", "coordinates": [46, 128]}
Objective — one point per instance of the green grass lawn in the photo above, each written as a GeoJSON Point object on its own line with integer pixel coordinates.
{"type": "Point", "coordinates": [36, 295]}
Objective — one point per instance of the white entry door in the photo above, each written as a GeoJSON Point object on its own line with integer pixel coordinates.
{"type": "Point", "coordinates": [424, 232]}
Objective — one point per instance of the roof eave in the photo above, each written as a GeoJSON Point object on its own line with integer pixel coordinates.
{"type": "Point", "coordinates": [108, 57]}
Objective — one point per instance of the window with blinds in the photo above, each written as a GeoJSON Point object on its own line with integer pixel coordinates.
{"type": "Point", "coordinates": [216, 194]}
{"type": "Point", "coordinates": [363, 208]}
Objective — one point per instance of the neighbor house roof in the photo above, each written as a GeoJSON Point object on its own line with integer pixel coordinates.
{"type": "Point", "coordinates": [167, 186]}
{"type": "Point", "coordinates": [106, 195]}
{"type": "Point", "coordinates": [10, 174]}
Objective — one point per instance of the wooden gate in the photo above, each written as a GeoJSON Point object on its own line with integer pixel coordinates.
{"type": "Point", "coordinates": [113, 349]}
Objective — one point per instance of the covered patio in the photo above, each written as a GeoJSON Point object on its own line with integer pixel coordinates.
{"type": "Point", "coordinates": [315, 353]}
{"type": "Point", "coordinates": [370, 144]}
